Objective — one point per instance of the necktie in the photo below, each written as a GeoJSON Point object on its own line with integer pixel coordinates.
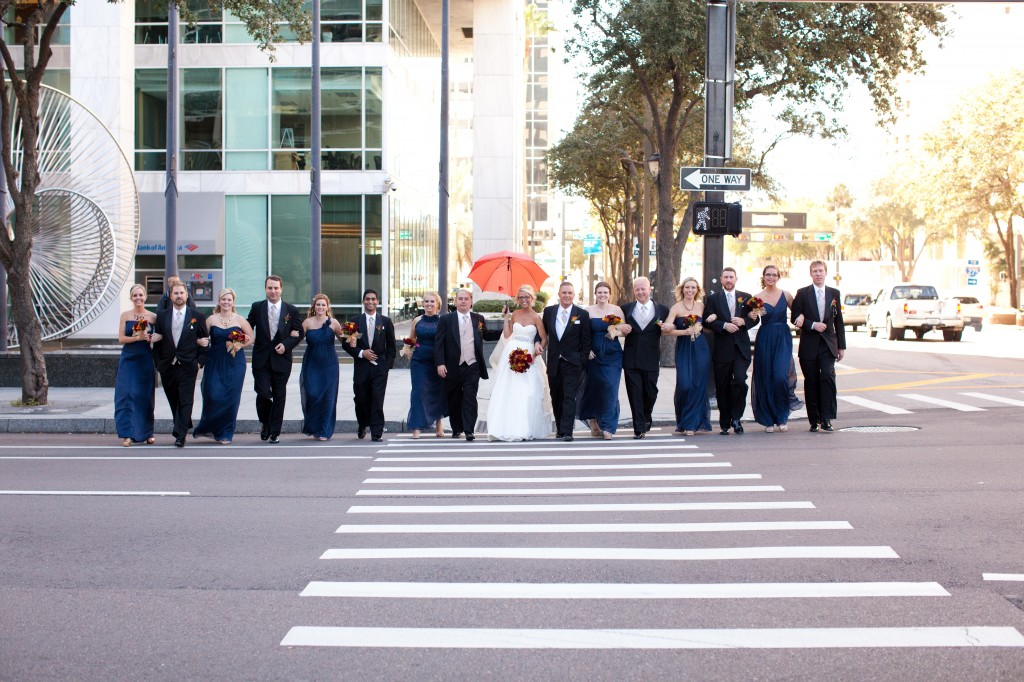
{"type": "Point", "coordinates": [732, 303]}
{"type": "Point", "coordinates": [642, 314]}
{"type": "Point", "coordinates": [821, 304]}
{"type": "Point", "coordinates": [563, 321]}
{"type": "Point", "coordinates": [179, 324]}
{"type": "Point", "coordinates": [369, 330]}
{"type": "Point", "coordinates": [466, 339]}
{"type": "Point", "coordinates": [272, 320]}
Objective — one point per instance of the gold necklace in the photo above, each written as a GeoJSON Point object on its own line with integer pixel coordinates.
{"type": "Point", "coordinates": [224, 323]}
{"type": "Point", "coordinates": [689, 308]}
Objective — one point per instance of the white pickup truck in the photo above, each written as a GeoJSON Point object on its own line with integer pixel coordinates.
{"type": "Point", "coordinates": [917, 307]}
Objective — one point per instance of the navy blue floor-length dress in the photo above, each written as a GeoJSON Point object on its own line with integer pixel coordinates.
{"type": "Point", "coordinates": [318, 382]}
{"type": "Point", "coordinates": [221, 387]}
{"type": "Point", "coordinates": [427, 402]}
{"type": "Point", "coordinates": [773, 353]}
{"type": "Point", "coordinates": [599, 392]}
{"type": "Point", "coordinates": [693, 413]}
{"type": "Point", "coordinates": [133, 389]}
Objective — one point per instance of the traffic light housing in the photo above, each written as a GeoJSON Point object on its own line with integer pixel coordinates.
{"type": "Point", "coordinates": [717, 218]}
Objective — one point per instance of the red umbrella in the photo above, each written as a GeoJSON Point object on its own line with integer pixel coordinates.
{"type": "Point", "coordinates": [505, 271]}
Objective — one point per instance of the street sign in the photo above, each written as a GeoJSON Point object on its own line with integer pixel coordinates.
{"type": "Point", "coordinates": [591, 245]}
{"type": "Point", "coordinates": [714, 179]}
{"type": "Point", "coordinates": [971, 280]}
{"type": "Point", "coordinates": [823, 237]}
{"type": "Point", "coordinates": [774, 219]}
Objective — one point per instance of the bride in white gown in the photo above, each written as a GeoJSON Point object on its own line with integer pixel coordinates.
{"type": "Point", "coordinates": [520, 405]}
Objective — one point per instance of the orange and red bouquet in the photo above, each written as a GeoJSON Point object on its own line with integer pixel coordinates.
{"type": "Point", "coordinates": [140, 328]}
{"type": "Point", "coordinates": [755, 305]}
{"type": "Point", "coordinates": [408, 346]}
{"type": "Point", "coordinates": [350, 332]}
{"type": "Point", "coordinates": [236, 340]}
{"type": "Point", "coordinates": [613, 321]}
{"type": "Point", "coordinates": [692, 322]}
{"type": "Point", "coordinates": [520, 360]}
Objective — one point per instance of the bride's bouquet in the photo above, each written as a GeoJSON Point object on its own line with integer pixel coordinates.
{"type": "Point", "coordinates": [408, 346]}
{"type": "Point", "coordinates": [236, 340]}
{"type": "Point", "coordinates": [350, 333]}
{"type": "Point", "coordinates": [613, 322]}
{"type": "Point", "coordinates": [519, 361]}
{"type": "Point", "coordinates": [692, 322]}
{"type": "Point", "coordinates": [755, 305]}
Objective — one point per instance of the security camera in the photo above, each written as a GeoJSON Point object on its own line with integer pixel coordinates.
{"type": "Point", "coordinates": [390, 185]}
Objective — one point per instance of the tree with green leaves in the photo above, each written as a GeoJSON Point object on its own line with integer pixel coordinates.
{"type": "Point", "coordinates": [35, 22]}
{"type": "Point", "coordinates": [980, 148]}
{"type": "Point", "coordinates": [803, 54]}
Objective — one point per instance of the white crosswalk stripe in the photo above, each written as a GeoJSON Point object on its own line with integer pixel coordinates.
{"type": "Point", "coordinates": [873, 405]}
{"type": "Point", "coordinates": [656, 532]}
{"type": "Point", "coordinates": [995, 398]}
{"type": "Point", "coordinates": [932, 400]}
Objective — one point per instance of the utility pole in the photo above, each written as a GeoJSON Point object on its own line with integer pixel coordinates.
{"type": "Point", "coordinates": [171, 188]}
{"type": "Point", "coordinates": [442, 185]}
{"type": "Point", "coordinates": [719, 69]}
{"type": "Point", "coordinates": [316, 201]}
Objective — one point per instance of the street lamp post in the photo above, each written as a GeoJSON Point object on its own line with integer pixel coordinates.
{"type": "Point", "coordinates": [654, 168]}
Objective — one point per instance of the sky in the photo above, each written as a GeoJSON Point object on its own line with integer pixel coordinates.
{"type": "Point", "coordinates": [985, 40]}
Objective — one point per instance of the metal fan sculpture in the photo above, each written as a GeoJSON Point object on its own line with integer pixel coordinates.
{"type": "Point", "coordinates": [87, 216]}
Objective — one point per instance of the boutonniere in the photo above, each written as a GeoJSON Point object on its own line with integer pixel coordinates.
{"type": "Point", "coordinates": [378, 327]}
{"type": "Point", "coordinates": [658, 322]}
{"type": "Point", "coordinates": [287, 318]}
{"type": "Point", "coordinates": [191, 323]}
{"type": "Point", "coordinates": [480, 327]}
{"type": "Point", "coordinates": [739, 299]}
{"type": "Point", "coordinates": [574, 319]}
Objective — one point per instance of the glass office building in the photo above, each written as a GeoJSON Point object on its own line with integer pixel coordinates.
{"type": "Point", "coordinates": [244, 141]}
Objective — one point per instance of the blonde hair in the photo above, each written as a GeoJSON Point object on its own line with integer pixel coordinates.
{"type": "Point", "coordinates": [528, 290]}
{"type": "Point", "coordinates": [437, 297]}
{"type": "Point", "coordinates": [134, 287]}
{"type": "Point", "coordinates": [699, 296]}
{"type": "Point", "coordinates": [220, 295]}
{"type": "Point", "coordinates": [312, 305]}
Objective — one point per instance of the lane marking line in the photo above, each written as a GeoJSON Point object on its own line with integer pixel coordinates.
{"type": "Point", "coordinates": [709, 527]}
{"type": "Point", "coordinates": [98, 493]}
{"type": "Point", "coordinates": [1012, 577]}
{"type": "Point", "coordinates": [511, 492]}
{"type": "Point", "coordinates": [617, 553]}
{"type": "Point", "coordinates": [543, 458]}
{"type": "Point", "coordinates": [574, 508]}
{"type": "Point", "coordinates": [569, 479]}
{"type": "Point", "coordinates": [562, 467]}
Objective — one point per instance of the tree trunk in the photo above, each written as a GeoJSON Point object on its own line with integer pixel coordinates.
{"type": "Point", "coordinates": [34, 384]}
{"type": "Point", "coordinates": [670, 252]}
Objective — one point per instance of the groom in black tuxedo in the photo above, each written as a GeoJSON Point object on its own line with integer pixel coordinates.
{"type": "Point", "coordinates": [180, 350]}
{"type": "Point", "coordinates": [459, 356]}
{"type": "Point", "coordinates": [278, 329]}
{"type": "Point", "coordinates": [822, 344]}
{"type": "Point", "coordinates": [374, 355]}
{"type": "Point", "coordinates": [641, 356]}
{"type": "Point", "coordinates": [731, 356]}
{"type": "Point", "coordinates": [568, 330]}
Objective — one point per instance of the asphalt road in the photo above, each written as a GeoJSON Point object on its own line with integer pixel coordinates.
{"type": "Point", "coordinates": [856, 555]}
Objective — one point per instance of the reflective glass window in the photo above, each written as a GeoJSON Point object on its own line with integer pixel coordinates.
{"type": "Point", "coordinates": [202, 114]}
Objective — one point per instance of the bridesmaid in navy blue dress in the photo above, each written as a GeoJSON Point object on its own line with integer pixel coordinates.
{"type": "Point", "coordinates": [598, 400]}
{"type": "Point", "coordinates": [224, 372]}
{"type": "Point", "coordinates": [136, 372]}
{"type": "Point", "coordinates": [773, 354]}
{"type": "Point", "coordinates": [318, 379]}
{"type": "Point", "coordinates": [693, 359]}
{"type": "Point", "coordinates": [428, 405]}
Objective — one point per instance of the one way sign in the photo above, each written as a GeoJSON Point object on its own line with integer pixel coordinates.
{"type": "Point", "coordinates": [714, 179]}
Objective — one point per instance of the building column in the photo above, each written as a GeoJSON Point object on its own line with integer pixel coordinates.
{"type": "Point", "coordinates": [498, 118]}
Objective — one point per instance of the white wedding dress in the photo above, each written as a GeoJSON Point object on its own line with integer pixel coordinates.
{"type": "Point", "coordinates": [520, 405]}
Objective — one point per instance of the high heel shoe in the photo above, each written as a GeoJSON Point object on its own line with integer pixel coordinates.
{"type": "Point", "coordinates": [416, 433]}
{"type": "Point", "coordinates": [150, 440]}
{"type": "Point", "coordinates": [607, 435]}
{"type": "Point", "coordinates": [127, 442]}
{"type": "Point", "coordinates": [783, 428]}
{"type": "Point", "coordinates": [769, 429]}
{"type": "Point", "coordinates": [688, 433]}
{"type": "Point", "coordinates": [440, 432]}
{"type": "Point", "coordinates": [595, 429]}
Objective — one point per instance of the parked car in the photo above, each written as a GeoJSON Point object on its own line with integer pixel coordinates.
{"type": "Point", "coordinates": [917, 307]}
{"type": "Point", "coordinates": [971, 308]}
{"type": "Point", "coordinates": [855, 310]}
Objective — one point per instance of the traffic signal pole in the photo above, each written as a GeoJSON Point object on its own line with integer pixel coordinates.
{"type": "Point", "coordinates": [718, 103]}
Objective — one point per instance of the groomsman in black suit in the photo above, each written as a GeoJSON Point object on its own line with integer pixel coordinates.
{"type": "Point", "coordinates": [568, 330]}
{"type": "Point", "coordinates": [641, 356]}
{"type": "Point", "coordinates": [731, 356]}
{"type": "Point", "coordinates": [278, 329]}
{"type": "Point", "coordinates": [819, 314]}
{"type": "Point", "coordinates": [459, 356]}
{"type": "Point", "coordinates": [180, 350]}
{"type": "Point", "coordinates": [374, 355]}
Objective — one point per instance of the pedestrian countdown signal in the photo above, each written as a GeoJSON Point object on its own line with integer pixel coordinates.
{"type": "Point", "coordinates": [717, 218]}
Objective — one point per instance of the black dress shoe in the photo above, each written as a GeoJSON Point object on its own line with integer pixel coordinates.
{"type": "Point", "coordinates": [827, 427]}
{"type": "Point", "coordinates": [648, 426]}
{"type": "Point", "coordinates": [456, 434]}
{"type": "Point", "coordinates": [470, 437]}
{"type": "Point", "coordinates": [638, 436]}
{"type": "Point", "coordinates": [361, 433]}
{"type": "Point", "coordinates": [275, 439]}
{"type": "Point", "coordinates": [814, 428]}
{"type": "Point", "coordinates": [264, 432]}
{"type": "Point", "coordinates": [724, 431]}
{"type": "Point", "coordinates": [376, 439]}
{"type": "Point", "coordinates": [567, 438]}
{"type": "Point", "coordinates": [737, 426]}
{"type": "Point", "coordinates": [179, 442]}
